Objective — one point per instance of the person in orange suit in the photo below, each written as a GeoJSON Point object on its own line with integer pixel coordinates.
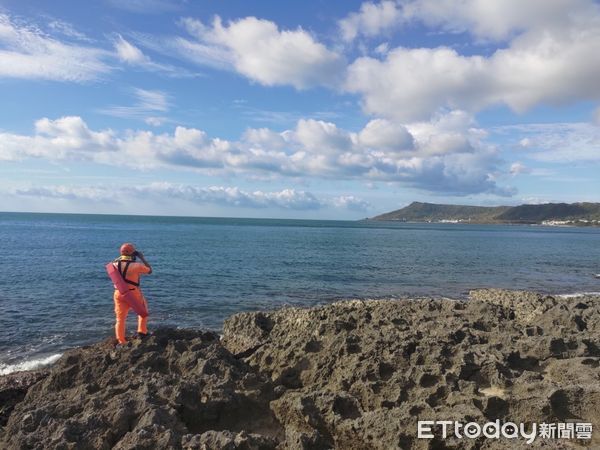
{"type": "Point", "coordinates": [131, 271]}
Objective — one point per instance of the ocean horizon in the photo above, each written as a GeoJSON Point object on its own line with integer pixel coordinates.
{"type": "Point", "coordinates": [56, 295]}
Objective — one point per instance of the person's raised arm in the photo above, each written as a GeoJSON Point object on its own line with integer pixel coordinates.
{"type": "Point", "coordinates": [146, 263]}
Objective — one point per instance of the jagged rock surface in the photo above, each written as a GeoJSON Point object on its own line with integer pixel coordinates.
{"type": "Point", "coordinates": [359, 374]}
{"type": "Point", "coordinates": [13, 388]}
{"type": "Point", "coordinates": [350, 375]}
{"type": "Point", "coordinates": [178, 388]}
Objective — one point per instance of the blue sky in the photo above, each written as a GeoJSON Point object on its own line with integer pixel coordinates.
{"type": "Point", "coordinates": [310, 109]}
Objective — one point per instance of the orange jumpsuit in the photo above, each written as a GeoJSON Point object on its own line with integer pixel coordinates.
{"type": "Point", "coordinates": [122, 308]}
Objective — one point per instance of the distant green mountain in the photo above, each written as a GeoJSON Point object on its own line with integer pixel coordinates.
{"type": "Point", "coordinates": [579, 213]}
{"type": "Point", "coordinates": [551, 211]}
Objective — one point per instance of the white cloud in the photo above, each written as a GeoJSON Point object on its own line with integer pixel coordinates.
{"type": "Point", "coordinates": [128, 52]}
{"type": "Point", "coordinates": [67, 138]}
{"type": "Point", "coordinates": [85, 193]}
{"type": "Point", "coordinates": [351, 202]}
{"type": "Point", "coordinates": [556, 142]}
{"type": "Point", "coordinates": [498, 20]}
{"type": "Point", "coordinates": [413, 83]}
{"type": "Point", "coordinates": [265, 138]}
{"type": "Point", "coordinates": [262, 52]}
{"type": "Point", "coordinates": [26, 52]}
{"type": "Point", "coordinates": [518, 168]}
{"type": "Point", "coordinates": [384, 135]}
{"type": "Point", "coordinates": [483, 19]}
{"type": "Point", "coordinates": [445, 155]}
{"type": "Point", "coordinates": [148, 103]}
{"type": "Point", "coordinates": [64, 138]}
{"type": "Point", "coordinates": [382, 49]}
{"type": "Point", "coordinates": [290, 199]}
{"type": "Point", "coordinates": [68, 30]}
{"type": "Point", "coordinates": [547, 62]}
{"type": "Point", "coordinates": [525, 143]}
{"type": "Point", "coordinates": [152, 100]}
{"type": "Point", "coordinates": [456, 174]}
{"type": "Point", "coordinates": [233, 196]}
{"type": "Point", "coordinates": [321, 137]}
{"type": "Point", "coordinates": [452, 132]}
{"type": "Point", "coordinates": [155, 121]}
{"type": "Point", "coordinates": [372, 20]}
{"type": "Point", "coordinates": [133, 56]}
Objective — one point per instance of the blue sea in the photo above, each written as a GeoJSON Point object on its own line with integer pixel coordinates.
{"type": "Point", "coordinates": [55, 294]}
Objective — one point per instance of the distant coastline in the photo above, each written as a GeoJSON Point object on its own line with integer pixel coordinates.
{"type": "Point", "coordinates": [547, 214]}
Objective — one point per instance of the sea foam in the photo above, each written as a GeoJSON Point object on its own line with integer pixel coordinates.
{"type": "Point", "coordinates": [31, 364]}
{"type": "Point", "coordinates": [578, 294]}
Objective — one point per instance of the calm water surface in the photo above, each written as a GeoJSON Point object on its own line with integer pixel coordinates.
{"type": "Point", "coordinates": [55, 294]}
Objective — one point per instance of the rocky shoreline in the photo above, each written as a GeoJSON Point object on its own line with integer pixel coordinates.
{"type": "Point", "coordinates": [350, 375]}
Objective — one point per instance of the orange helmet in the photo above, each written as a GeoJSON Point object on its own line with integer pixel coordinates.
{"type": "Point", "coordinates": [127, 249]}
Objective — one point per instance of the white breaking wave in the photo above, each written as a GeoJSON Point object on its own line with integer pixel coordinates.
{"type": "Point", "coordinates": [578, 294]}
{"type": "Point", "coordinates": [32, 364]}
